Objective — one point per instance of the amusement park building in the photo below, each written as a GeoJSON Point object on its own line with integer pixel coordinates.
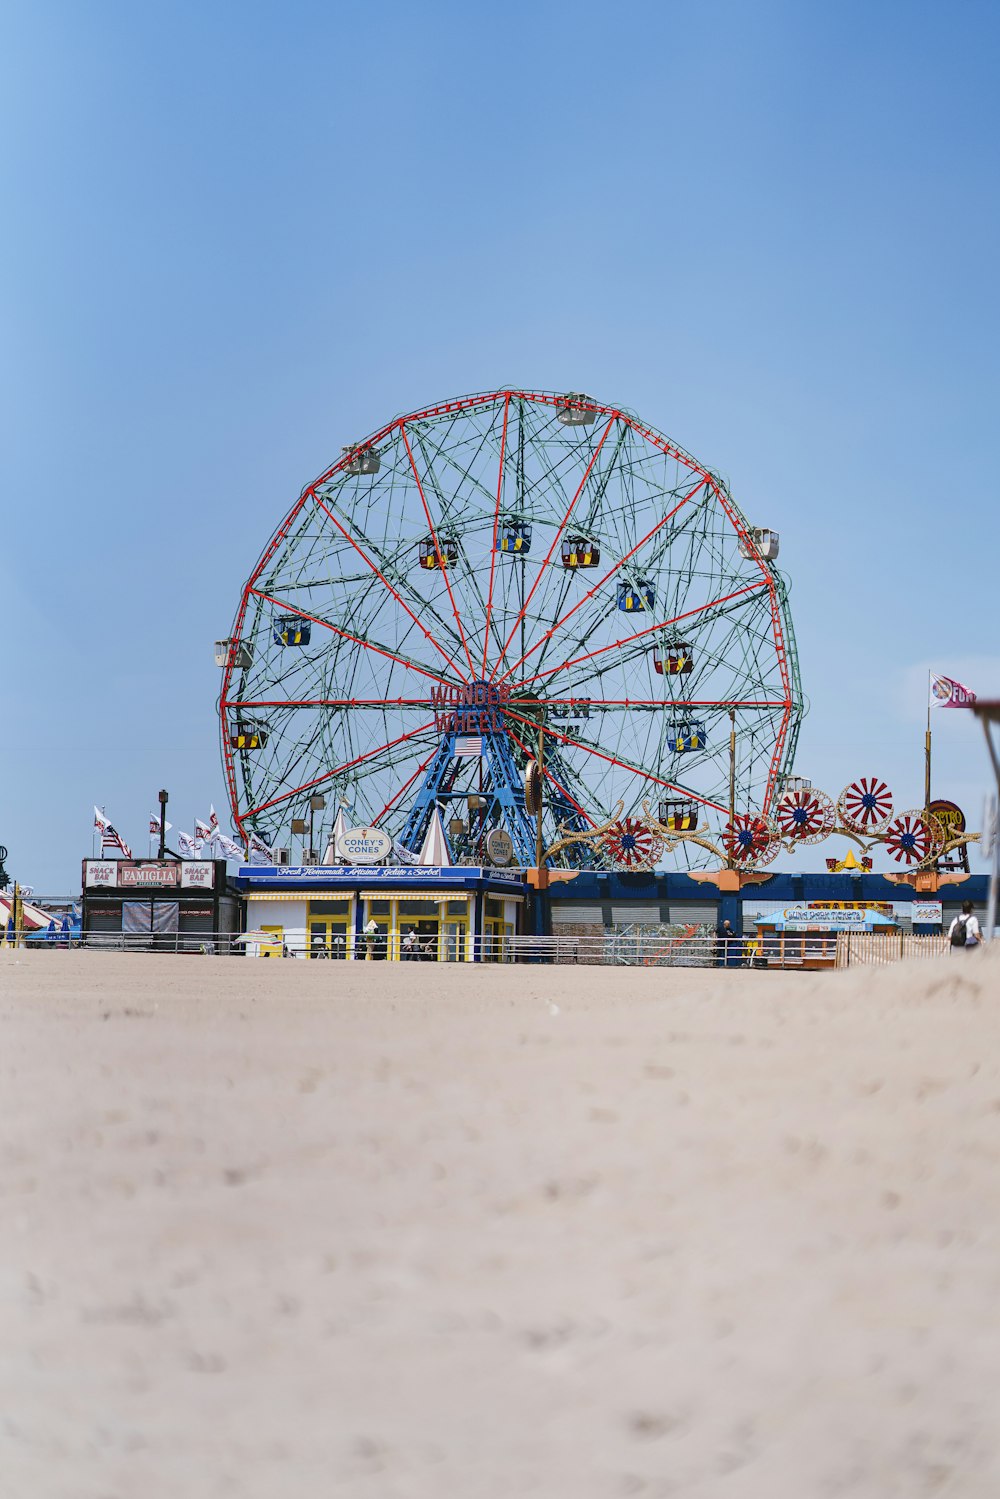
{"type": "Point", "coordinates": [167, 903]}
{"type": "Point", "coordinates": [325, 910]}
{"type": "Point", "coordinates": [354, 910]}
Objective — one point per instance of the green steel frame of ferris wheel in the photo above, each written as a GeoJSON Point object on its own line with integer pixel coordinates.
{"type": "Point", "coordinates": [444, 457]}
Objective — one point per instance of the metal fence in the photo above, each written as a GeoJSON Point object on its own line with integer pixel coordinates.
{"type": "Point", "coordinates": [633, 946]}
{"type": "Point", "coordinates": [874, 949]}
{"type": "Point", "coordinates": [630, 947]}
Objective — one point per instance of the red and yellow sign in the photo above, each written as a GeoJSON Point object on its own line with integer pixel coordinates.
{"type": "Point", "coordinates": [950, 816]}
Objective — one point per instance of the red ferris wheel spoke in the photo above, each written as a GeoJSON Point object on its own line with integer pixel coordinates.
{"type": "Point", "coordinates": [650, 630]}
{"type": "Point", "coordinates": [330, 702]}
{"type": "Point", "coordinates": [786, 683]}
{"type": "Point", "coordinates": [338, 770]}
{"type": "Point", "coordinates": [779, 750]}
{"type": "Point", "coordinates": [395, 593]}
{"type": "Point", "coordinates": [622, 764]}
{"type": "Point", "coordinates": [663, 702]}
{"type": "Point", "coordinates": [550, 777]}
{"type": "Point", "coordinates": [550, 702]}
{"type": "Point", "coordinates": [437, 551]}
{"type": "Point", "coordinates": [600, 583]}
{"type": "Point", "coordinates": [404, 788]}
{"type": "Point", "coordinates": [496, 527]}
{"type": "Point", "coordinates": [555, 542]}
{"type": "Point", "coordinates": [346, 634]}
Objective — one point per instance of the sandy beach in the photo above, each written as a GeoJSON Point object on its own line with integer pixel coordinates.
{"type": "Point", "coordinates": [318, 1229]}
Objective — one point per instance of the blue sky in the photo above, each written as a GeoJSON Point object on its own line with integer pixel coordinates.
{"type": "Point", "coordinates": [238, 237]}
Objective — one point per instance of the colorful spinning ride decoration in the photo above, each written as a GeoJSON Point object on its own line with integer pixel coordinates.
{"type": "Point", "coordinates": [806, 816]}
{"type": "Point", "coordinates": [631, 844]}
{"type": "Point", "coordinates": [865, 806]}
{"type": "Point", "coordinates": [494, 570]}
{"type": "Point", "coordinates": [750, 840]}
{"type": "Point", "coordinates": [914, 838]}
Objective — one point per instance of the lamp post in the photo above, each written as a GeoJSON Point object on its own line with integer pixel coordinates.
{"type": "Point", "coordinates": [316, 804]}
{"type": "Point", "coordinates": [163, 797]}
{"type": "Point", "coordinates": [299, 831]}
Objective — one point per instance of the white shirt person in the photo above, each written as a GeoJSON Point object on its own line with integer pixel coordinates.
{"type": "Point", "coordinates": [968, 923]}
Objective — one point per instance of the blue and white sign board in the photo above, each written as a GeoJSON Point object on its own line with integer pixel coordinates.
{"type": "Point", "coordinates": [809, 919]}
{"type": "Point", "coordinates": [364, 845]}
{"type": "Point", "coordinates": [412, 875]}
{"type": "Point", "coordinates": [926, 913]}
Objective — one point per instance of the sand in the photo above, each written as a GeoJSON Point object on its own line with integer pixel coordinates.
{"type": "Point", "coordinates": [304, 1230]}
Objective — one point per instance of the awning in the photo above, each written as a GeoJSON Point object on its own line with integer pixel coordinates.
{"type": "Point", "coordinates": [431, 895]}
{"type": "Point", "coordinates": [303, 895]}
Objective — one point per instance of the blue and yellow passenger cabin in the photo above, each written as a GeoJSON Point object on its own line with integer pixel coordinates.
{"type": "Point", "coordinates": [580, 552]}
{"type": "Point", "coordinates": [443, 553]}
{"type": "Point", "coordinates": [292, 629]}
{"type": "Point", "coordinates": [675, 659]}
{"type": "Point", "coordinates": [248, 734]}
{"type": "Point", "coordinates": [514, 536]}
{"type": "Point", "coordinates": [635, 598]}
{"type": "Point", "coordinates": [686, 734]}
{"type": "Point", "coordinates": [679, 816]}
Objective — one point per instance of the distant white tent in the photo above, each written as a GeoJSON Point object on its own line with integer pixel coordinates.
{"type": "Point", "coordinates": [435, 846]}
{"type": "Point", "coordinates": [339, 826]}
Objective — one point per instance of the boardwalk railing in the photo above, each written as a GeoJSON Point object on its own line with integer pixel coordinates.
{"type": "Point", "coordinates": [874, 949]}
{"type": "Point", "coordinates": [632, 946]}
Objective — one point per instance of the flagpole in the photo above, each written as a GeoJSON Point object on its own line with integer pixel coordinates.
{"type": "Point", "coordinates": [927, 752]}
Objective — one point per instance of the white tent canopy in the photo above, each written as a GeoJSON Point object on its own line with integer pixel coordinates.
{"type": "Point", "coordinates": [339, 827]}
{"type": "Point", "coordinates": [434, 853]}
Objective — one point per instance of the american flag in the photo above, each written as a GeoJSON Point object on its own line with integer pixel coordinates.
{"type": "Point", "coordinates": [472, 744]}
{"type": "Point", "coordinates": [111, 840]}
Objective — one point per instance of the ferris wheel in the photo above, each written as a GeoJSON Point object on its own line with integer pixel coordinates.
{"type": "Point", "coordinates": [509, 576]}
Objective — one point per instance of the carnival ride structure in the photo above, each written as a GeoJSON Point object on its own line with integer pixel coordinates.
{"type": "Point", "coordinates": [513, 576]}
{"type": "Point", "coordinates": [916, 839]}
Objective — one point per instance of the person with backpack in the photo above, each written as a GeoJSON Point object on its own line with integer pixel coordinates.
{"type": "Point", "coordinates": [964, 933]}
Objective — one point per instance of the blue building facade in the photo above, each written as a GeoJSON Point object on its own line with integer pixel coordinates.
{"type": "Point", "coordinates": [608, 899]}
